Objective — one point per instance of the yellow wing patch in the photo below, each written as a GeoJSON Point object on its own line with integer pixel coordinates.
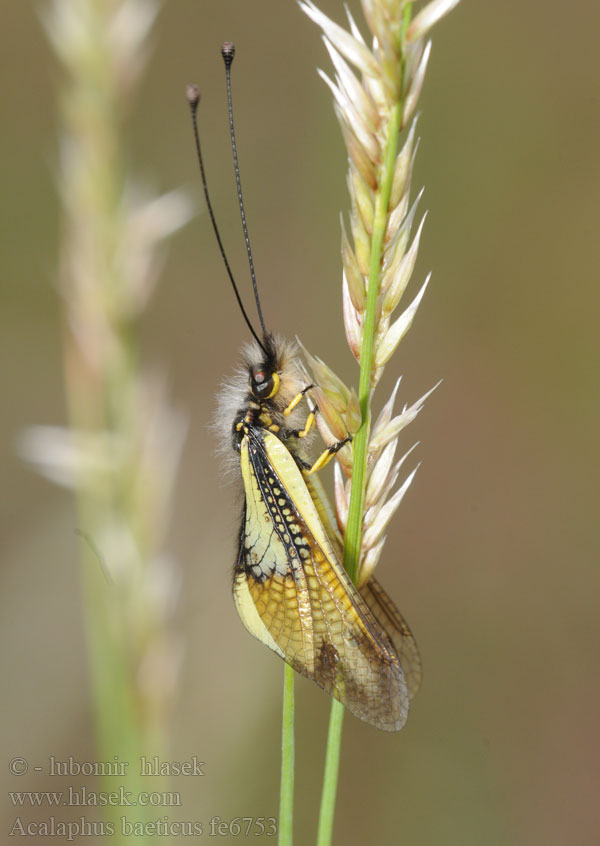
{"type": "Point", "coordinates": [294, 595]}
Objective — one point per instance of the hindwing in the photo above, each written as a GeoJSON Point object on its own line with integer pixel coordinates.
{"type": "Point", "coordinates": [381, 605]}
{"type": "Point", "coordinates": [393, 623]}
{"type": "Point", "coordinates": [293, 594]}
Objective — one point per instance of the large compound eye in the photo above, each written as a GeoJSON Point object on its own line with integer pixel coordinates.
{"type": "Point", "coordinates": [264, 383]}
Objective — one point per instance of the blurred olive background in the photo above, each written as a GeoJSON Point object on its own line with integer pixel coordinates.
{"type": "Point", "coordinates": [494, 555]}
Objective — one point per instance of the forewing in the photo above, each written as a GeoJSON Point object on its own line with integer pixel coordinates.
{"type": "Point", "coordinates": [325, 511]}
{"type": "Point", "coordinates": [270, 589]}
{"type": "Point", "coordinates": [289, 582]}
{"type": "Point", "coordinates": [396, 627]}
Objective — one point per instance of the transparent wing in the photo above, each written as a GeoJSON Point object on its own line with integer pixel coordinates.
{"type": "Point", "coordinates": [293, 594]}
{"type": "Point", "coordinates": [396, 627]}
{"type": "Point", "coordinates": [381, 605]}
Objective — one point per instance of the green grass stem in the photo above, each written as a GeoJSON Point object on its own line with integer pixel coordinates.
{"type": "Point", "coordinates": [330, 778]}
{"type": "Point", "coordinates": [354, 528]}
{"type": "Point", "coordinates": [286, 793]}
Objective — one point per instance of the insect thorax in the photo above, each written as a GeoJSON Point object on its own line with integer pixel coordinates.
{"type": "Point", "coordinates": [258, 415]}
{"type": "Point", "coordinates": [275, 380]}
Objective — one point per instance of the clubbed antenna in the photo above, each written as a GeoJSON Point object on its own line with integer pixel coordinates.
{"type": "Point", "coordinates": [228, 53]}
{"type": "Point", "coordinates": [193, 96]}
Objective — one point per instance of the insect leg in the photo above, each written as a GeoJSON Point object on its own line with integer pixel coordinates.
{"type": "Point", "coordinates": [302, 433]}
{"type": "Point", "coordinates": [328, 454]}
{"type": "Point", "coordinates": [297, 399]}
{"type": "Point", "coordinates": [310, 420]}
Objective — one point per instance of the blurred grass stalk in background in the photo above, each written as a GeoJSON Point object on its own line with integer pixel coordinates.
{"type": "Point", "coordinates": [373, 109]}
{"type": "Point", "coordinates": [120, 450]}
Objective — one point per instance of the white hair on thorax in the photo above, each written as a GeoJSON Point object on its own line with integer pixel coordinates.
{"type": "Point", "coordinates": [233, 396]}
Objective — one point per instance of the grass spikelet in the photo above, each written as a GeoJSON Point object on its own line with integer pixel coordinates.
{"type": "Point", "coordinates": [376, 87]}
{"type": "Point", "coordinates": [120, 449]}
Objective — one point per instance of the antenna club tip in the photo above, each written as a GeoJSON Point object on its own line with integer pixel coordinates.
{"type": "Point", "coordinates": [228, 52]}
{"type": "Point", "coordinates": [192, 93]}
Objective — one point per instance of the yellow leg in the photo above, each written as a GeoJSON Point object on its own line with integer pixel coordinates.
{"type": "Point", "coordinates": [310, 420]}
{"type": "Point", "coordinates": [296, 400]}
{"type": "Point", "coordinates": [327, 455]}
